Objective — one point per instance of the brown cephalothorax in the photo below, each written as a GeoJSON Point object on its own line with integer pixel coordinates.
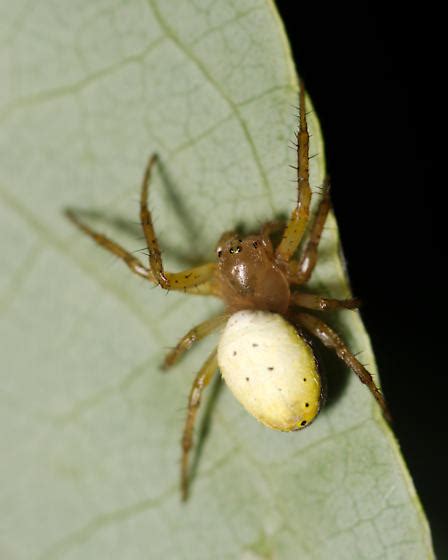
{"type": "Point", "coordinates": [249, 276]}
{"type": "Point", "coordinates": [262, 355]}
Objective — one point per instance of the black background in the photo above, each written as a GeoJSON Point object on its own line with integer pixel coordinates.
{"type": "Point", "coordinates": [372, 70]}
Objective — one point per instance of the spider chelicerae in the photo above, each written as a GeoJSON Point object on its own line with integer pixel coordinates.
{"type": "Point", "coordinates": [262, 354]}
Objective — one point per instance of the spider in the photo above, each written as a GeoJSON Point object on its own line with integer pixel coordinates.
{"type": "Point", "coordinates": [263, 354]}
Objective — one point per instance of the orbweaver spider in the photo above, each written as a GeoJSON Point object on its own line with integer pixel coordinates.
{"type": "Point", "coordinates": [266, 362]}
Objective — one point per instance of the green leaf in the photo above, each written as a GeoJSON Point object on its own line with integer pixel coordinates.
{"type": "Point", "coordinates": [90, 426]}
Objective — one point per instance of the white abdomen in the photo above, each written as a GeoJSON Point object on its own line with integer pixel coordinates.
{"type": "Point", "coordinates": [270, 369]}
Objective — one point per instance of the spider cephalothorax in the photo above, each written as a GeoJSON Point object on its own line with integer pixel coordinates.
{"type": "Point", "coordinates": [262, 353]}
{"type": "Point", "coordinates": [248, 275]}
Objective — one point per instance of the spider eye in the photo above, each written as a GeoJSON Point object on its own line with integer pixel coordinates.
{"type": "Point", "coordinates": [219, 253]}
{"type": "Point", "coordinates": [231, 251]}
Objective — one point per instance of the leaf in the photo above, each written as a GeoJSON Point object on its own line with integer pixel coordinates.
{"type": "Point", "coordinates": [90, 426]}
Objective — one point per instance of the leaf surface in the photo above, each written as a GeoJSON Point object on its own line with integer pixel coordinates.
{"type": "Point", "coordinates": [90, 426]}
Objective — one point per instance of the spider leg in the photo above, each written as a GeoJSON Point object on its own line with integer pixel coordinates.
{"type": "Point", "coordinates": [300, 272]}
{"type": "Point", "coordinates": [298, 221]}
{"type": "Point", "coordinates": [155, 256]}
{"type": "Point", "coordinates": [133, 262]}
{"type": "Point", "coordinates": [313, 301]}
{"type": "Point", "coordinates": [332, 340]}
{"type": "Point", "coordinates": [194, 335]}
{"type": "Point", "coordinates": [203, 378]}
{"type": "Point", "coordinates": [199, 280]}
{"type": "Point", "coordinates": [168, 280]}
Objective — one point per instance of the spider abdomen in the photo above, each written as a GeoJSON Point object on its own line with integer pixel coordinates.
{"type": "Point", "coordinates": [270, 369]}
